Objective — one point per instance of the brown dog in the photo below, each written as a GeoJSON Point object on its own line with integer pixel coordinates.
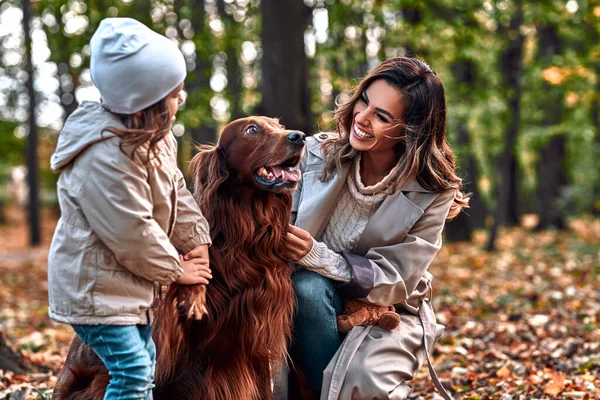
{"type": "Point", "coordinates": [243, 186]}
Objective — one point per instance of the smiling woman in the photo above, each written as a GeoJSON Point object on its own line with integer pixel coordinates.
{"type": "Point", "coordinates": [368, 220]}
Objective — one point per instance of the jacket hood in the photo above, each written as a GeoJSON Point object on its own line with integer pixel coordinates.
{"type": "Point", "coordinates": [83, 128]}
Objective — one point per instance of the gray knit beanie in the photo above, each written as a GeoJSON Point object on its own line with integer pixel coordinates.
{"type": "Point", "coordinates": [132, 66]}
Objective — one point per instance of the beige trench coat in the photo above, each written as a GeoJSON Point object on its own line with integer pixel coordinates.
{"type": "Point", "coordinates": [389, 266]}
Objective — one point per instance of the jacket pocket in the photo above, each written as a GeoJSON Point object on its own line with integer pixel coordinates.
{"type": "Point", "coordinates": [106, 259]}
{"type": "Point", "coordinates": [71, 270]}
{"type": "Point", "coordinates": [120, 292]}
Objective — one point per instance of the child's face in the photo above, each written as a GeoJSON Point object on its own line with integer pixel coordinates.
{"type": "Point", "coordinates": [174, 100]}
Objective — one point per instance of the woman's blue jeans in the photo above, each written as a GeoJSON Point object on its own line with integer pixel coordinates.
{"type": "Point", "coordinates": [316, 337]}
{"type": "Point", "coordinates": [129, 354]}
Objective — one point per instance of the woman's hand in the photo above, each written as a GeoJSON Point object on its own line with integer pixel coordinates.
{"type": "Point", "coordinates": [299, 243]}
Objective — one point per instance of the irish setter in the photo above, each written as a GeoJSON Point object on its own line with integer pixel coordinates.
{"type": "Point", "coordinates": [243, 186]}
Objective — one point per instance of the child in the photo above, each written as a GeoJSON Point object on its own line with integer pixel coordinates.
{"type": "Point", "coordinates": [125, 209]}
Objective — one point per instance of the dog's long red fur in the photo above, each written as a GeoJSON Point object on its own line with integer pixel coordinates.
{"type": "Point", "coordinates": [232, 351]}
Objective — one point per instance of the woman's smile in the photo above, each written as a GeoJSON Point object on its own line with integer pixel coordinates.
{"type": "Point", "coordinates": [359, 134]}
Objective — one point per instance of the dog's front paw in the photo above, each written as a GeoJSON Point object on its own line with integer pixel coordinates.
{"type": "Point", "coordinates": [343, 323]}
{"type": "Point", "coordinates": [191, 301]}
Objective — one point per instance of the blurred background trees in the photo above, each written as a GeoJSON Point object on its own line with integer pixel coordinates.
{"type": "Point", "coordinates": [522, 83]}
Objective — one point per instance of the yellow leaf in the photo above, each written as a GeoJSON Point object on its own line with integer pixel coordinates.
{"type": "Point", "coordinates": [554, 387]}
{"type": "Point", "coordinates": [553, 75]}
{"type": "Point", "coordinates": [572, 99]}
{"type": "Point", "coordinates": [503, 372]}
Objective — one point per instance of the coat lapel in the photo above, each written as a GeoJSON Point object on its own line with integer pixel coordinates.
{"type": "Point", "coordinates": [318, 198]}
{"type": "Point", "coordinates": [392, 220]}
{"type": "Point", "coordinates": [396, 215]}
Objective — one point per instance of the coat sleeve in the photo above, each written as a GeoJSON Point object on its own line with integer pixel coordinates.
{"type": "Point", "coordinates": [191, 228]}
{"type": "Point", "coordinates": [117, 202]}
{"type": "Point", "coordinates": [389, 274]}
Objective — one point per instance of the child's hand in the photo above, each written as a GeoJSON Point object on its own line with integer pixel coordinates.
{"type": "Point", "coordinates": [192, 299]}
{"type": "Point", "coordinates": [198, 252]}
{"type": "Point", "coordinates": [195, 271]}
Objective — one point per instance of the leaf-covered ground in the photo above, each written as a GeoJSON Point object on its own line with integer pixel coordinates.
{"type": "Point", "coordinates": [521, 323]}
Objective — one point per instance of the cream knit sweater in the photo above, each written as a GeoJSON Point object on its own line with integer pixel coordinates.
{"type": "Point", "coordinates": [346, 225]}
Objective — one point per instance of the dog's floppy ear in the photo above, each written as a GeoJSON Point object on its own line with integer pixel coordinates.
{"type": "Point", "coordinates": [209, 170]}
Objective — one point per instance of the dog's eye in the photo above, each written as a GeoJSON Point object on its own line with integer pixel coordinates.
{"type": "Point", "coordinates": [251, 130]}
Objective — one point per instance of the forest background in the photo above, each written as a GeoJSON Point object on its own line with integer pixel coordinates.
{"type": "Point", "coordinates": [522, 83]}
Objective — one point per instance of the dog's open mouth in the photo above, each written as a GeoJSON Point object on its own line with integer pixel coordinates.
{"type": "Point", "coordinates": [285, 175]}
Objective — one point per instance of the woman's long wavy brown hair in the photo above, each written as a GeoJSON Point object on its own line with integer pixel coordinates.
{"type": "Point", "coordinates": [424, 154]}
{"type": "Point", "coordinates": [144, 128]}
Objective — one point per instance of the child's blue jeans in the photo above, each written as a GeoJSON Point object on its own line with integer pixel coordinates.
{"type": "Point", "coordinates": [129, 354]}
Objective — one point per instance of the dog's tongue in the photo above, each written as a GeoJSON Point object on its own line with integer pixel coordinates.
{"type": "Point", "coordinates": [286, 175]}
{"type": "Point", "coordinates": [294, 175]}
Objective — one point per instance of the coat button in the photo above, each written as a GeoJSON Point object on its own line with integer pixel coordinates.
{"type": "Point", "coordinates": [323, 136]}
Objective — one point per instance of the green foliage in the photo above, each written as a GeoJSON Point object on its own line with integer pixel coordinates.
{"type": "Point", "coordinates": [559, 90]}
{"type": "Point", "coordinates": [12, 148]}
{"type": "Point", "coordinates": [12, 152]}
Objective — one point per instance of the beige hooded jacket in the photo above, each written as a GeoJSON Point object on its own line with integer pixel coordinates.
{"type": "Point", "coordinates": [122, 224]}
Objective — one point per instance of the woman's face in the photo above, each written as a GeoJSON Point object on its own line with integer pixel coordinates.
{"type": "Point", "coordinates": [174, 100]}
{"type": "Point", "coordinates": [377, 118]}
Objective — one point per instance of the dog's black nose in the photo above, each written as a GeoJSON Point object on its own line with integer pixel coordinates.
{"type": "Point", "coordinates": [296, 137]}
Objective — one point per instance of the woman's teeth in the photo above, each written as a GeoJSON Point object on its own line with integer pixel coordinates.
{"type": "Point", "coordinates": [362, 134]}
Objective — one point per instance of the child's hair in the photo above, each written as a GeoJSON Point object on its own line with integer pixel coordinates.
{"type": "Point", "coordinates": [424, 152]}
{"type": "Point", "coordinates": [148, 126]}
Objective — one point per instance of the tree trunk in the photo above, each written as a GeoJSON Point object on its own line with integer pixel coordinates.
{"type": "Point", "coordinates": [513, 218]}
{"type": "Point", "coordinates": [511, 64]}
{"type": "Point", "coordinates": [32, 137]}
{"type": "Point", "coordinates": [11, 360]}
{"type": "Point", "coordinates": [552, 176]}
{"type": "Point", "coordinates": [285, 87]}
{"type": "Point", "coordinates": [199, 79]}
{"type": "Point", "coordinates": [203, 134]}
{"type": "Point", "coordinates": [2, 212]}
{"type": "Point", "coordinates": [461, 228]}
{"type": "Point", "coordinates": [413, 16]}
{"type": "Point", "coordinates": [232, 64]}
